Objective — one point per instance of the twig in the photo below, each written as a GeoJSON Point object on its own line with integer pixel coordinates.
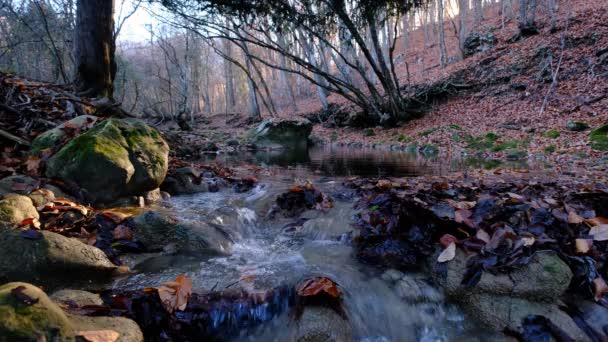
{"type": "Point", "coordinates": [16, 139]}
{"type": "Point", "coordinates": [559, 64]}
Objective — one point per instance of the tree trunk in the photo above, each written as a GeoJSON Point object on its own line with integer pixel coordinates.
{"type": "Point", "coordinates": [463, 9]}
{"type": "Point", "coordinates": [443, 54]}
{"type": "Point", "coordinates": [478, 11]}
{"type": "Point", "coordinates": [229, 77]}
{"type": "Point", "coordinates": [94, 47]}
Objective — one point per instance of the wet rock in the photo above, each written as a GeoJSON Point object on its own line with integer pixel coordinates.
{"type": "Point", "coordinates": [545, 278]}
{"type": "Point", "coordinates": [321, 324]}
{"type": "Point", "coordinates": [28, 314]}
{"type": "Point", "coordinates": [505, 312]}
{"type": "Point", "coordinates": [325, 228]}
{"type": "Point", "coordinates": [76, 298]}
{"type": "Point", "coordinates": [415, 289]}
{"type": "Point", "coordinates": [50, 259]}
{"type": "Point", "coordinates": [58, 135]}
{"type": "Point", "coordinates": [16, 208]}
{"type": "Point", "coordinates": [165, 195]}
{"type": "Point", "coordinates": [128, 201]}
{"type": "Point", "coordinates": [594, 314]}
{"type": "Point", "coordinates": [41, 197]}
{"type": "Point", "coordinates": [392, 275]}
{"type": "Point", "coordinates": [274, 133]}
{"type": "Point", "coordinates": [187, 180]}
{"type": "Point", "coordinates": [153, 196]}
{"type": "Point", "coordinates": [599, 138]}
{"type": "Point", "coordinates": [232, 143]}
{"type": "Point", "coordinates": [18, 184]}
{"type": "Point", "coordinates": [57, 192]}
{"type": "Point", "coordinates": [158, 231]}
{"type": "Point", "coordinates": [131, 156]}
{"type": "Point", "coordinates": [577, 126]}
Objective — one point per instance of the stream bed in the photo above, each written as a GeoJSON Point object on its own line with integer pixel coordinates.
{"type": "Point", "coordinates": [381, 305]}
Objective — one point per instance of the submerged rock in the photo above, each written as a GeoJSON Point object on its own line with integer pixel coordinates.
{"type": "Point", "coordinates": [159, 231]}
{"type": "Point", "coordinates": [50, 259]}
{"type": "Point", "coordinates": [28, 314]}
{"type": "Point", "coordinates": [281, 133]}
{"type": "Point", "coordinates": [16, 208]}
{"type": "Point", "coordinates": [185, 180]}
{"type": "Point", "coordinates": [116, 158]}
{"type": "Point", "coordinates": [322, 324]}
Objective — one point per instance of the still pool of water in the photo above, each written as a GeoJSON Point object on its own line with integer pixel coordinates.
{"type": "Point", "coordinates": [268, 253]}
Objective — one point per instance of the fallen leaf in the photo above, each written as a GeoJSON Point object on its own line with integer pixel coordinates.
{"type": "Point", "coordinates": [600, 288]}
{"type": "Point", "coordinates": [596, 221]}
{"type": "Point", "coordinates": [33, 166]}
{"type": "Point", "coordinates": [447, 240]}
{"type": "Point", "coordinates": [461, 205]}
{"type": "Point", "coordinates": [448, 254]}
{"type": "Point", "coordinates": [583, 245]}
{"type": "Point", "coordinates": [99, 335]}
{"type": "Point", "coordinates": [600, 233]}
{"type": "Point", "coordinates": [33, 222]}
{"type": "Point", "coordinates": [574, 218]}
{"type": "Point", "coordinates": [528, 240]}
{"type": "Point", "coordinates": [315, 286]}
{"type": "Point", "coordinates": [175, 294]}
{"type": "Point", "coordinates": [24, 298]}
{"type": "Point", "coordinates": [483, 236]}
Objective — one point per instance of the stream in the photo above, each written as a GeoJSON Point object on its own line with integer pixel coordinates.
{"type": "Point", "coordinates": [266, 253]}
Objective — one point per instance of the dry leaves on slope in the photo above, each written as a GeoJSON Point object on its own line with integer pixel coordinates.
{"type": "Point", "coordinates": [99, 335]}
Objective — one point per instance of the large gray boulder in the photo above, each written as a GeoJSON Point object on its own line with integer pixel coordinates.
{"type": "Point", "coordinates": [50, 259]}
{"type": "Point", "coordinates": [28, 314]}
{"type": "Point", "coordinates": [116, 158]}
{"type": "Point", "coordinates": [58, 135]}
{"type": "Point", "coordinates": [159, 231]}
{"type": "Point", "coordinates": [545, 278]}
{"type": "Point", "coordinates": [16, 208]}
{"type": "Point", "coordinates": [274, 133]}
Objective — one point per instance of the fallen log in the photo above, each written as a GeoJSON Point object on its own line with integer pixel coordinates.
{"type": "Point", "coordinates": [13, 138]}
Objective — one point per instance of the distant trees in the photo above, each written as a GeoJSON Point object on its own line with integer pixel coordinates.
{"type": "Point", "coordinates": [527, 17]}
{"type": "Point", "coordinates": [313, 26]}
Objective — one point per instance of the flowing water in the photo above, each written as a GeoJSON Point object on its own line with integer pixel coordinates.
{"type": "Point", "coordinates": [270, 253]}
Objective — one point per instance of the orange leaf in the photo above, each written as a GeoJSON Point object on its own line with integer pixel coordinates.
{"type": "Point", "coordinates": [315, 286]}
{"type": "Point", "coordinates": [99, 335]}
{"type": "Point", "coordinates": [600, 288]}
{"type": "Point", "coordinates": [175, 294]}
{"type": "Point", "coordinates": [447, 239]}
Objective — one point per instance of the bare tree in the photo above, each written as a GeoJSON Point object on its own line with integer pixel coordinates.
{"type": "Point", "coordinates": [443, 54]}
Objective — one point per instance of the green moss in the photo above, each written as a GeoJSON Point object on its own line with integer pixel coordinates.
{"type": "Point", "coordinates": [552, 134]}
{"type": "Point", "coordinates": [509, 144]}
{"type": "Point", "coordinates": [599, 138]}
{"type": "Point", "coordinates": [550, 149]}
{"type": "Point", "coordinates": [514, 154]}
{"type": "Point", "coordinates": [429, 131]}
{"type": "Point", "coordinates": [491, 137]}
{"type": "Point", "coordinates": [455, 126]}
{"type": "Point", "coordinates": [333, 136]}
{"type": "Point", "coordinates": [577, 126]}
{"type": "Point", "coordinates": [403, 138]}
{"type": "Point", "coordinates": [368, 132]}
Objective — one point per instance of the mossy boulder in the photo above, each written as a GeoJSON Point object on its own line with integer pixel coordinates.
{"type": "Point", "coordinates": [599, 138]}
{"type": "Point", "coordinates": [116, 158]}
{"type": "Point", "coordinates": [281, 133]}
{"type": "Point", "coordinates": [28, 314]}
{"type": "Point", "coordinates": [577, 126]}
{"type": "Point", "coordinates": [51, 259]}
{"type": "Point", "coordinates": [41, 320]}
{"type": "Point", "coordinates": [59, 134]}
{"type": "Point", "coordinates": [16, 208]}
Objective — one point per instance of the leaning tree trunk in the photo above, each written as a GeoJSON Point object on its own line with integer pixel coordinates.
{"type": "Point", "coordinates": [94, 47]}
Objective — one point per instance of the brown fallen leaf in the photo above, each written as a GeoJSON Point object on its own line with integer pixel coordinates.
{"type": "Point", "coordinates": [583, 245]}
{"type": "Point", "coordinates": [315, 286]}
{"type": "Point", "coordinates": [448, 254]}
{"type": "Point", "coordinates": [574, 218]}
{"type": "Point", "coordinates": [99, 335]}
{"type": "Point", "coordinates": [175, 294]}
{"type": "Point", "coordinates": [596, 221]}
{"type": "Point", "coordinates": [462, 204]}
{"type": "Point", "coordinates": [528, 240]}
{"type": "Point", "coordinates": [483, 236]}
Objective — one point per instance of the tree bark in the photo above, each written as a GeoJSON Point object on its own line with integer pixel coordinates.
{"type": "Point", "coordinates": [443, 54]}
{"type": "Point", "coordinates": [94, 47]}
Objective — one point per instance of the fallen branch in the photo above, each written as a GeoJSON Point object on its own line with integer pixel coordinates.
{"type": "Point", "coordinates": [14, 138]}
